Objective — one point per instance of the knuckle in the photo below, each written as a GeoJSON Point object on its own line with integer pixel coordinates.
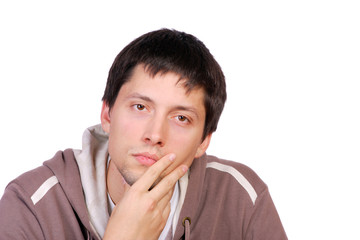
{"type": "Point", "coordinates": [150, 204]}
{"type": "Point", "coordinates": [167, 183]}
{"type": "Point", "coordinates": [157, 213]}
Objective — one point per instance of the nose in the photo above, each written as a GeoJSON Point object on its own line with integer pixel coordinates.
{"type": "Point", "coordinates": [156, 131]}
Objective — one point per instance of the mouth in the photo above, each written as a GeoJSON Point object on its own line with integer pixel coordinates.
{"type": "Point", "coordinates": [146, 159]}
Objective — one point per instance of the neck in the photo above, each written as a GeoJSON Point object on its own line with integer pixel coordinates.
{"type": "Point", "coordinates": [116, 184]}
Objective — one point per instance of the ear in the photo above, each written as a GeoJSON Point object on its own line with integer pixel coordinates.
{"type": "Point", "coordinates": [203, 146]}
{"type": "Point", "coordinates": [105, 117]}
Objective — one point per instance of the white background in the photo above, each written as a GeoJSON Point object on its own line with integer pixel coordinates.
{"type": "Point", "coordinates": [292, 69]}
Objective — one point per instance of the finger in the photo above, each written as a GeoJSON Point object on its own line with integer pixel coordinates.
{"type": "Point", "coordinates": [167, 183]}
{"type": "Point", "coordinates": [165, 200]}
{"type": "Point", "coordinates": [153, 172]}
{"type": "Point", "coordinates": [167, 211]}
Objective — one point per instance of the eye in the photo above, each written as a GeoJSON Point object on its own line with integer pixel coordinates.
{"type": "Point", "coordinates": [182, 118]}
{"type": "Point", "coordinates": [140, 107]}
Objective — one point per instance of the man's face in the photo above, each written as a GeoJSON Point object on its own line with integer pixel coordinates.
{"type": "Point", "coordinates": [152, 117]}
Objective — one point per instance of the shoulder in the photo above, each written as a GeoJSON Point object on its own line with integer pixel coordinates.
{"type": "Point", "coordinates": [233, 194]}
{"type": "Point", "coordinates": [235, 169]}
{"type": "Point", "coordinates": [35, 183]}
{"type": "Point", "coordinates": [43, 200]}
{"type": "Point", "coordinates": [235, 175]}
{"type": "Point", "coordinates": [18, 204]}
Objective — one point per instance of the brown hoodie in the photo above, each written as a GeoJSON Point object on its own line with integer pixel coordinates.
{"type": "Point", "coordinates": [223, 200]}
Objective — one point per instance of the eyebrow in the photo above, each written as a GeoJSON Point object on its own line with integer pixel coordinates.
{"type": "Point", "coordinates": [140, 96]}
{"type": "Point", "coordinates": [175, 108]}
{"type": "Point", "coordinates": [187, 109]}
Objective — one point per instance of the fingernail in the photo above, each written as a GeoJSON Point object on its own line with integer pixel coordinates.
{"type": "Point", "coordinates": [172, 157]}
{"type": "Point", "coordinates": [184, 168]}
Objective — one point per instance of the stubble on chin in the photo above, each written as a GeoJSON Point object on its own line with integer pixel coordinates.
{"type": "Point", "coordinates": [130, 178]}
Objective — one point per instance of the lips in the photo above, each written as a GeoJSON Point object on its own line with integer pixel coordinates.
{"type": "Point", "coordinates": [146, 159]}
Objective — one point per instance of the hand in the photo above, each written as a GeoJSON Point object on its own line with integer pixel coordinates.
{"type": "Point", "coordinates": [142, 213]}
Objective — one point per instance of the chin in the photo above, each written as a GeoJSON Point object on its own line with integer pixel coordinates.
{"type": "Point", "coordinates": [129, 178]}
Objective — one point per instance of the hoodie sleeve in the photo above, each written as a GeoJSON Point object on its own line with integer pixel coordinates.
{"type": "Point", "coordinates": [17, 218]}
{"type": "Point", "coordinates": [265, 222]}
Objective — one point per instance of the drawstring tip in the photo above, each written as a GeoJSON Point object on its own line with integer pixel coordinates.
{"type": "Point", "coordinates": [186, 223]}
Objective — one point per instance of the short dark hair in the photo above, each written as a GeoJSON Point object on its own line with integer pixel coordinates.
{"type": "Point", "coordinates": [168, 50]}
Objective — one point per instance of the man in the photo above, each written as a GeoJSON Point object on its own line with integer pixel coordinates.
{"type": "Point", "coordinates": [143, 173]}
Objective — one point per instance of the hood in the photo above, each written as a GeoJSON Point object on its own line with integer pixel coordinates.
{"type": "Point", "coordinates": [93, 175]}
{"type": "Point", "coordinates": [63, 165]}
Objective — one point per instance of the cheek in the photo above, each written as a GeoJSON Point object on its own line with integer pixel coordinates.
{"type": "Point", "coordinates": [185, 146]}
{"type": "Point", "coordinates": [184, 155]}
{"type": "Point", "coordinates": [123, 128]}
{"type": "Point", "coordinates": [122, 133]}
